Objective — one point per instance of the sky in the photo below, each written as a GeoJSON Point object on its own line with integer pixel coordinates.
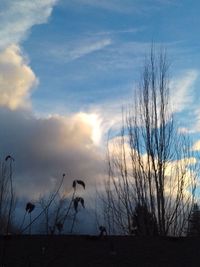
{"type": "Point", "coordinates": [68, 66]}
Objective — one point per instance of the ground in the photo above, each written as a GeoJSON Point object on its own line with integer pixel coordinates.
{"type": "Point", "coordinates": [89, 251]}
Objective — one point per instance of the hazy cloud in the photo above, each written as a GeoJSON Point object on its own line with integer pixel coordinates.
{"type": "Point", "coordinates": [116, 32]}
{"type": "Point", "coordinates": [182, 90]}
{"type": "Point", "coordinates": [78, 48]}
{"type": "Point", "coordinates": [18, 16]}
{"type": "Point", "coordinates": [196, 118]}
{"type": "Point", "coordinates": [88, 48]}
{"type": "Point", "coordinates": [125, 6]}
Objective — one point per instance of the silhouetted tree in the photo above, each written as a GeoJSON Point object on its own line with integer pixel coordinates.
{"type": "Point", "coordinates": [150, 163]}
{"type": "Point", "coordinates": [7, 196]}
{"type": "Point", "coordinates": [102, 231]}
{"type": "Point", "coordinates": [194, 222]}
{"type": "Point", "coordinates": [144, 223]}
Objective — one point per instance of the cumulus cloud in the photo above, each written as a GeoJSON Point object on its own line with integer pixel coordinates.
{"type": "Point", "coordinates": [95, 123]}
{"type": "Point", "coordinates": [16, 79]}
{"type": "Point", "coordinates": [44, 148]}
{"type": "Point", "coordinates": [17, 17]}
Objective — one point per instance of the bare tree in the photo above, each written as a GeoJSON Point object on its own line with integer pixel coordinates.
{"type": "Point", "coordinates": [150, 163]}
{"type": "Point", "coordinates": [7, 196]}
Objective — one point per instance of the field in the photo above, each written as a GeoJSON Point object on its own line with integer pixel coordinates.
{"type": "Point", "coordinates": [89, 251]}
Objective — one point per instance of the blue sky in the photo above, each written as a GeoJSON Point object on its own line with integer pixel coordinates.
{"type": "Point", "coordinates": [90, 53]}
{"type": "Point", "coordinates": [68, 66]}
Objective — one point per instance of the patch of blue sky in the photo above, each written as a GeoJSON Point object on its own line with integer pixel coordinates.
{"type": "Point", "coordinates": [91, 52]}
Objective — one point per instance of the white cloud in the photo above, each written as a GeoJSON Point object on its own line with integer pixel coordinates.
{"type": "Point", "coordinates": [111, 117]}
{"type": "Point", "coordinates": [43, 148]}
{"type": "Point", "coordinates": [88, 48]}
{"type": "Point", "coordinates": [16, 79]}
{"type": "Point", "coordinates": [196, 146]}
{"type": "Point", "coordinates": [125, 6]}
{"type": "Point", "coordinates": [18, 16]}
{"type": "Point", "coordinates": [94, 121]}
{"type": "Point", "coordinates": [184, 130]}
{"type": "Point", "coordinates": [182, 89]}
{"type": "Point", "coordinates": [196, 126]}
{"type": "Point", "coordinates": [113, 5]}
{"type": "Point", "coordinates": [113, 32]}
{"type": "Point", "coordinates": [78, 48]}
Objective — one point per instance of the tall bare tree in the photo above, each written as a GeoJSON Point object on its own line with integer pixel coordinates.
{"type": "Point", "coordinates": [150, 164]}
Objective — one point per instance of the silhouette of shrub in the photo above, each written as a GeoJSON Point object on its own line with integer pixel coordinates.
{"type": "Point", "coordinates": [194, 222]}
{"type": "Point", "coordinates": [144, 223]}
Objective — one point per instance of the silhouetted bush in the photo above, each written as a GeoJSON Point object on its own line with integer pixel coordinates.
{"type": "Point", "coordinates": [144, 223]}
{"type": "Point", "coordinates": [194, 222]}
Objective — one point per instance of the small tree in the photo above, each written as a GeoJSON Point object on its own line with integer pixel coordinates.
{"type": "Point", "coordinates": [144, 223]}
{"type": "Point", "coordinates": [194, 222]}
{"type": "Point", "coordinates": [7, 196]}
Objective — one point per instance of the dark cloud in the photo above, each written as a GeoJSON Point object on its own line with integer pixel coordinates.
{"type": "Point", "coordinates": [45, 148]}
